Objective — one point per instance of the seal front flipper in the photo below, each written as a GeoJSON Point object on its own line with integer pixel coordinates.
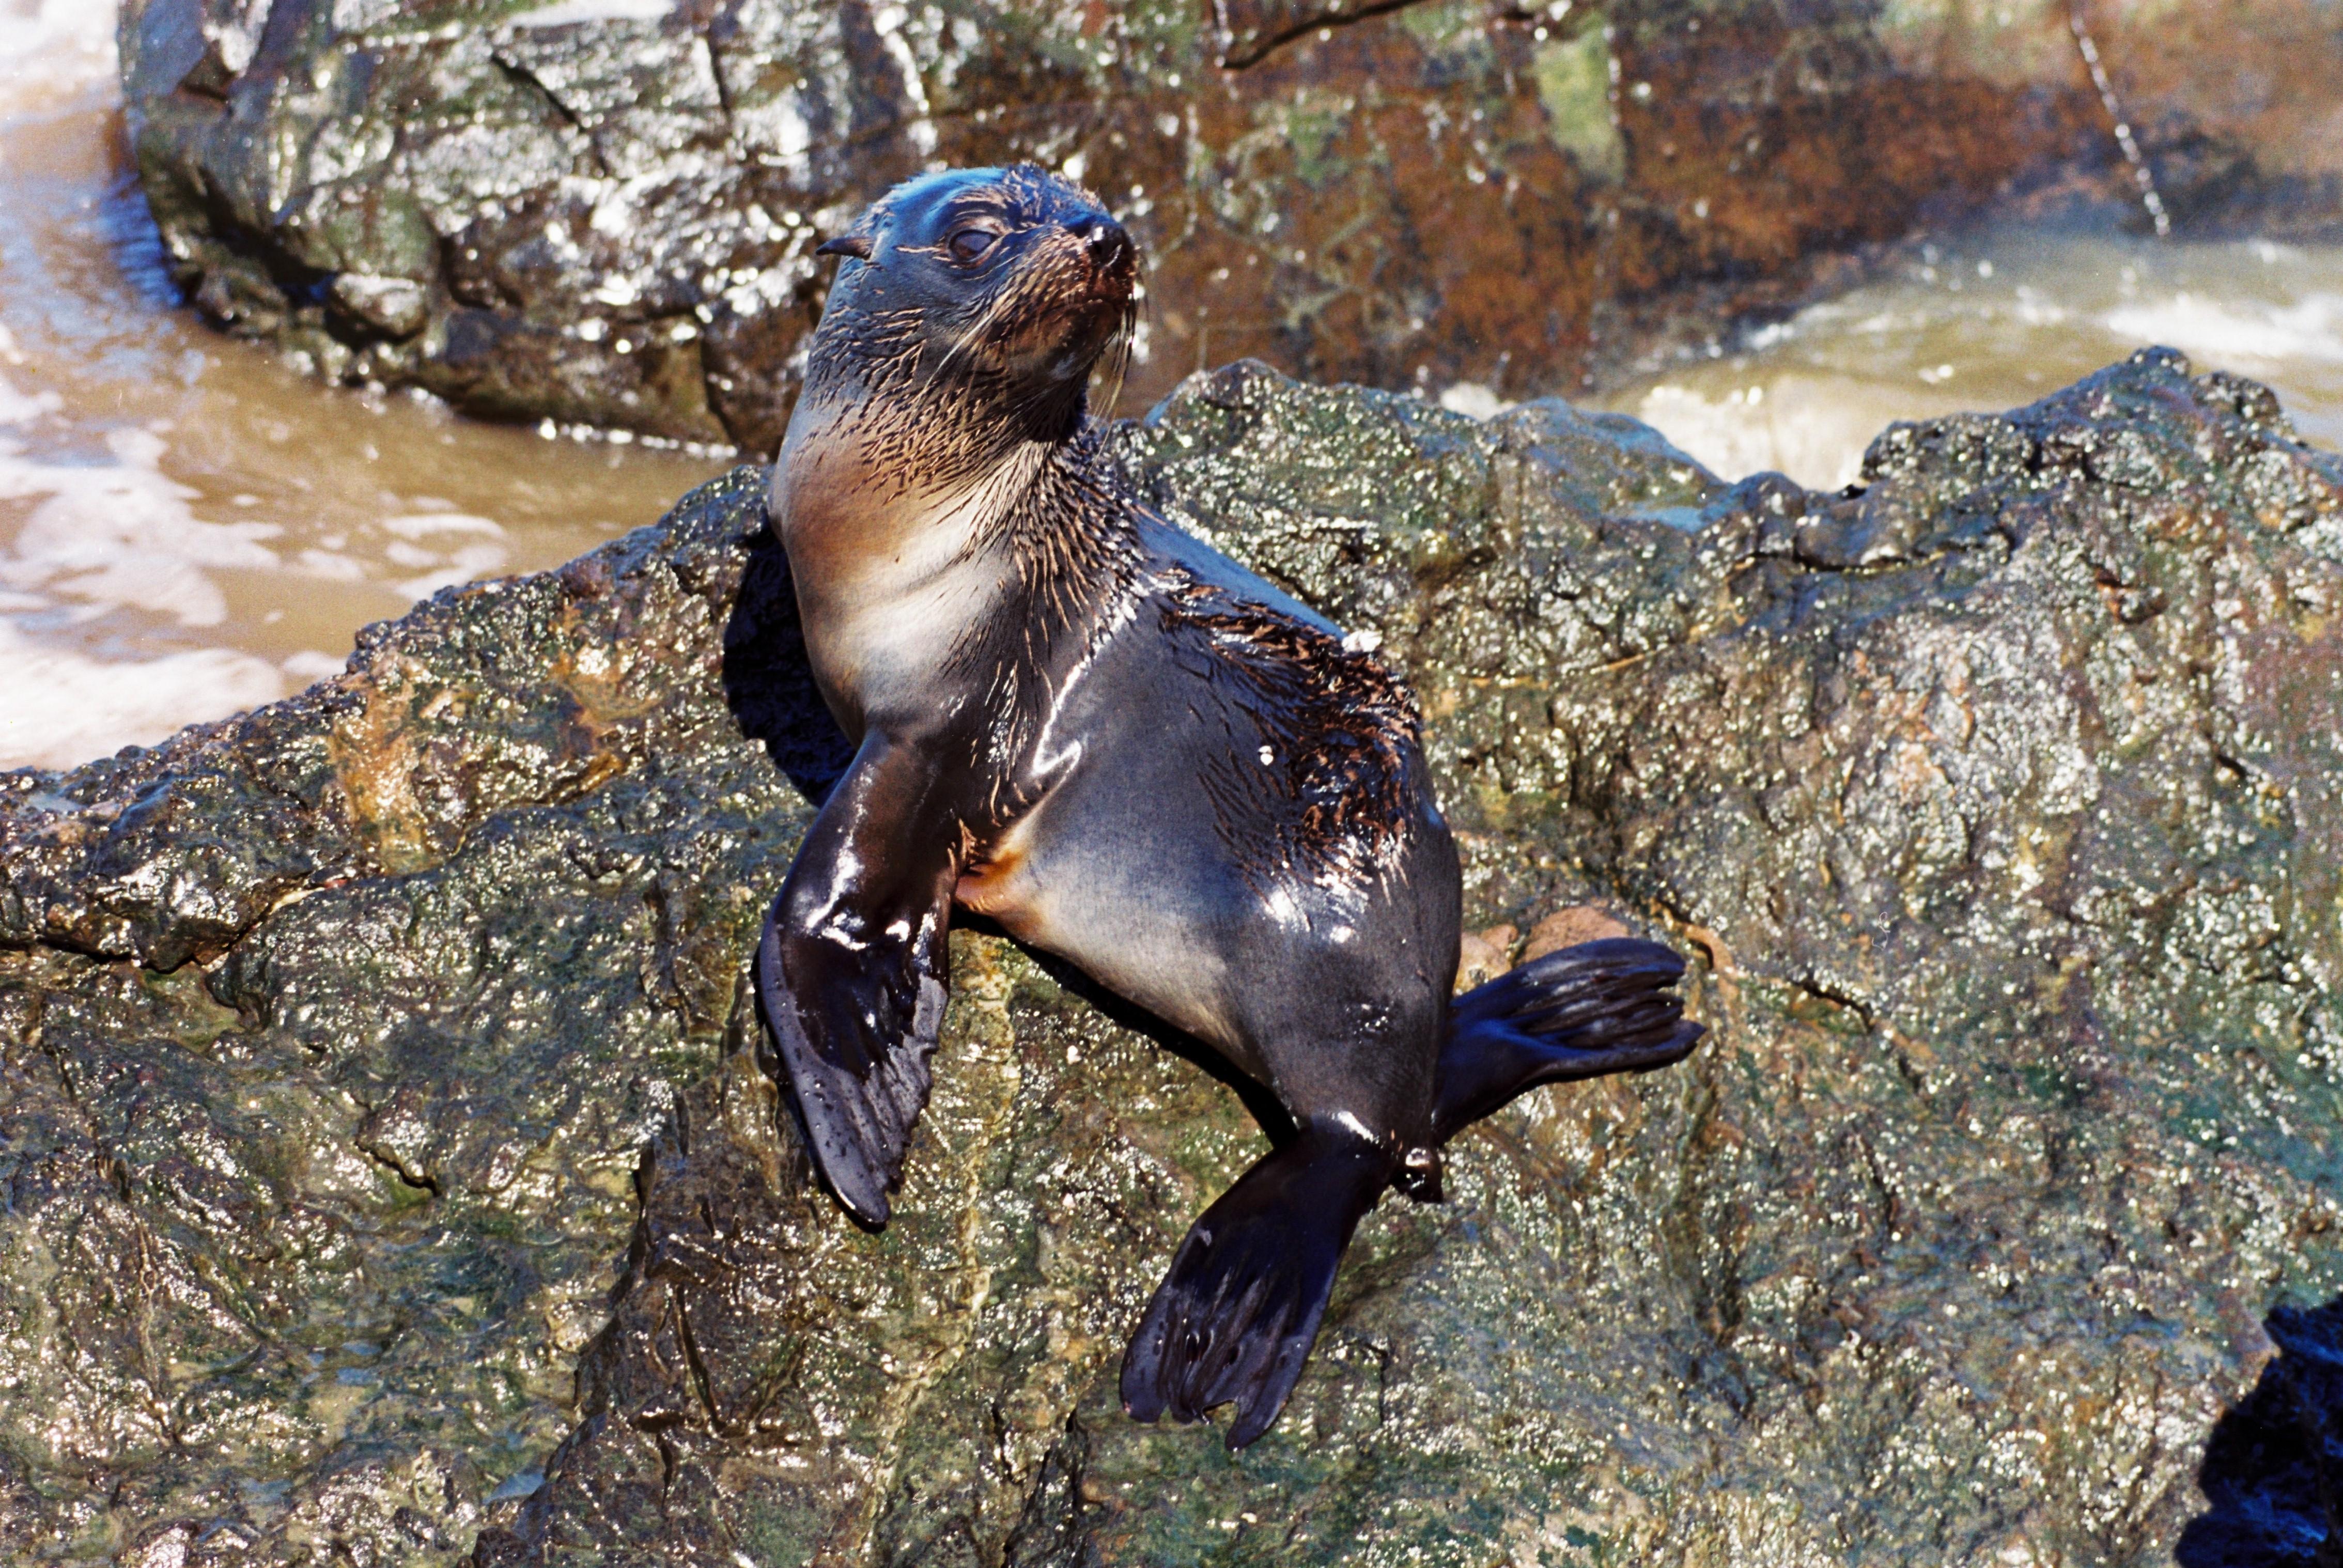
{"type": "Point", "coordinates": [1239, 1309]}
{"type": "Point", "coordinates": [1595, 1008]}
{"type": "Point", "coordinates": [852, 969]}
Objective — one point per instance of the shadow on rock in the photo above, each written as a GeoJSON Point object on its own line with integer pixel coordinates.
{"type": "Point", "coordinates": [2273, 1471]}
{"type": "Point", "coordinates": [768, 685]}
{"type": "Point", "coordinates": [1275, 1122]}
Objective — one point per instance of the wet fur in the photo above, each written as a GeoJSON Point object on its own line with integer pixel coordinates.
{"type": "Point", "coordinates": [1133, 755]}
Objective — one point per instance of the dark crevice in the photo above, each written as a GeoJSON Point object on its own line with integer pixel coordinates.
{"type": "Point", "coordinates": [1050, 1530]}
{"type": "Point", "coordinates": [36, 1038]}
{"type": "Point", "coordinates": [1243, 45]}
{"type": "Point", "coordinates": [1686, 1232]}
{"type": "Point", "coordinates": [420, 1180]}
{"type": "Point", "coordinates": [701, 1382]}
{"type": "Point", "coordinates": [522, 77]}
{"type": "Point", "coordinates": [1838, 998]}
{"type": "Point", "coordinates": [1891, 1207]}
{"type": "Point", "coordinates": [723, 87]}
{"type": "Point", "coordinates": [670, 1466]}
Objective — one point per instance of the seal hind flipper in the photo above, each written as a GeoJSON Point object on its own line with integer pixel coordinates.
{"type": "Point", "coordinates": [1239, 1308]}
{"type": "Point", "coordinates": [1596, 1009]}
{"type": "Point", "coordinates": [852, 973]}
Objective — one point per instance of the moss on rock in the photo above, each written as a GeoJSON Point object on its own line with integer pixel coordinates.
{"type": "Point", "coordinates": [391, 1171]}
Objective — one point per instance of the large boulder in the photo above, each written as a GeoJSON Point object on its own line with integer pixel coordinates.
{"type": "Point", "coordinates": [605, 211]}
{"type": "Point", "coordinates": [391, 1174]}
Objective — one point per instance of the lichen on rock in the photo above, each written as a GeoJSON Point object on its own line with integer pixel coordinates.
{"type": "Point", "coordinates": [392, 1175]}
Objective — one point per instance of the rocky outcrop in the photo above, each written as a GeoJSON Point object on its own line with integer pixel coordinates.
{"type": "Point", "coordinates": [390, 1175]}
{"type": "Point", "coordinates": [604, 211]}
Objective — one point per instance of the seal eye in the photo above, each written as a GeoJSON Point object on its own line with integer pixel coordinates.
{"type": "Point", "coordinates": [968, 245]}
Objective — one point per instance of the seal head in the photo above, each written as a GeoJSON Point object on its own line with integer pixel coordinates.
{"type": "Point", "coordinates": [1003, 288]}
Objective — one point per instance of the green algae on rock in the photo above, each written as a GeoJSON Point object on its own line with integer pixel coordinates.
{"type": "Point", "coordinates": [390, 1172]}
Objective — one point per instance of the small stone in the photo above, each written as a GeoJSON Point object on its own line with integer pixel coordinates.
{"type": "Point", "coordinates": [1478, 960]}
{"type": "Point", "coordinates": [394, 307]}
{"type": "Point", "coordinates": [1567, 928]}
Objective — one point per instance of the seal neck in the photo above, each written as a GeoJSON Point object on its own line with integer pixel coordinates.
{"type": "Point", "coordinates": [938, 409]}
{"type": "Point", "coordinates": [901, 572]}
{"type": "Point", "coordinates": [865, 486]}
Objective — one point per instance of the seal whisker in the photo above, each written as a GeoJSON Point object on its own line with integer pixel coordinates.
{"type": "Point", "coordinates": [985, 321]}
{"type": "Point", "coordinates": [1118, 362]}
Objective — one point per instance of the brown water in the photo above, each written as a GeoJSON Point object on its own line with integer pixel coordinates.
{"type": "Point", "coordinates": [188, 528]}
{"type": "Point", "coordinates": [1997, 321]}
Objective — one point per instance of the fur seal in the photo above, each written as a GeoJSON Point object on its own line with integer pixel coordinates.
{"type": "Point", "coordinates": [1131, 753]}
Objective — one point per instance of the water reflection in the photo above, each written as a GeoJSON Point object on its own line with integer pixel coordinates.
{"type": "Point", "coordinates": [1996, 322]}
{"type": "Point", "coordinates": [186, 526]}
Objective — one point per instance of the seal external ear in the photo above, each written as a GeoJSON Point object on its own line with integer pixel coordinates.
{"type": "Point", "coordinates": [852, 970]}
{"type": "Point", "coordinates": [1239, 1309]}
{"type": "Point", "coordinates": [1595, 1008]}
{"type": "Point", "coordinates": [857, 245]}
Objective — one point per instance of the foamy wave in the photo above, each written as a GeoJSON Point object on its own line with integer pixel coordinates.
{"type": "Point", "coordinates": [60, 44]}
{"type": "Point", "coordinates": [64, 706]}
{"type": "Point", "coordinates": [121, 533]}
{"type": "Point", "coordinates": [1476, 398]}
{"type": "Point", "coordinates": [1812, 427]}
{"type": "Point", "coordinates": [2308, 331]}
{"type": "Point", "coordinates": [466, 563]}
{"type": "Point", "coordinates": [101, 535]}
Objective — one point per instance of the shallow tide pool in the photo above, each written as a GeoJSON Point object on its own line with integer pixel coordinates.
{"type": "Point", "coordinates": [188, 528]}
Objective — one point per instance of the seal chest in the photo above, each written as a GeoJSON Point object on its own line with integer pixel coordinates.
{"type": "Point", "coordinates": [1135, 755]}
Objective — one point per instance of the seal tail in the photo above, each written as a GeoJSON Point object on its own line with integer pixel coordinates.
{"type": "Point", "coordinates": [1239, 1309]}
{"type": "Point", "coordinates": [1585, 1012]}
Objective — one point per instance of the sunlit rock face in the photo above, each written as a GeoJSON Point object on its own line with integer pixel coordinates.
{"type": "Point", "coordinates": [390, 1177]}
{"type": "Point", "coordinates": [604, 211]}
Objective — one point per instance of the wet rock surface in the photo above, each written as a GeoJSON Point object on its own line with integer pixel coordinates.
{"type": "Point", "coordinates": [391, 1176]}
{"type": "Point", "coordinates": [605, 213]}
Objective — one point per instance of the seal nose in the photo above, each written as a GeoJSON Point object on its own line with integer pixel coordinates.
{"type": "Point", "coordinates": [1106, 241]}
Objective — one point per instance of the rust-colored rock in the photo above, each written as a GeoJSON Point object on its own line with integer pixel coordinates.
{"type": "Point", "coordinates": [1478, 959]}
{"type": "Point", "coordinates": [1567, 928]}
{"type": "Point", "coordinates": [612, 221]}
